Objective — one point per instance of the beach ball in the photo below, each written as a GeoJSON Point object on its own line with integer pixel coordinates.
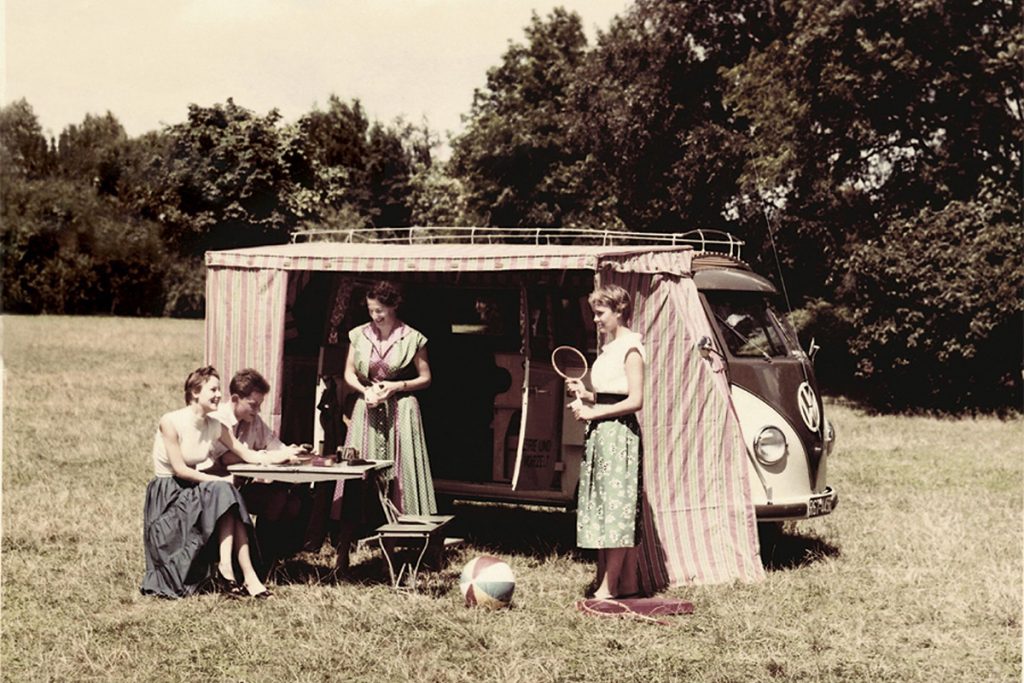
{"type": "Point", "coordinates": [487, 581]}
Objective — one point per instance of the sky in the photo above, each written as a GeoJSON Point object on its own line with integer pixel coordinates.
{"type": "Point", "coordinates": [147, 60]}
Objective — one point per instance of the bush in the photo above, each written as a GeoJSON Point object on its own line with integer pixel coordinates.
{"type": "Point", "coordinates": [66, 250]}
{"type": "Point", "coordinates": [934, 309]}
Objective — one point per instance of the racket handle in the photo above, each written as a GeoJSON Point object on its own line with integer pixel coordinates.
{"type": "Point", "coordinates": [576, 403]}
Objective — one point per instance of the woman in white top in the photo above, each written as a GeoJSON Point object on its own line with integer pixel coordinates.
{"type": "Point", "coordinates": [186, 507]}
{"type": "Point", "coordinates": [609, 496]}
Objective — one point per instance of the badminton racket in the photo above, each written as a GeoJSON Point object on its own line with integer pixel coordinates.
{"type": "Point", "coordinates": [570, 364]}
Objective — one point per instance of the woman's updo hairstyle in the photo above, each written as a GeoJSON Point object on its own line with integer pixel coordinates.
{"type": "Point", "coordinates": [196, 379]}
{"type": "Point", "coordinates": [387, 293]}
{"type": "Point", "coordinates": [614, 298]}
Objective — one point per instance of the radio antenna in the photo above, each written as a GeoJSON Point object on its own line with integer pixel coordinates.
{"type": "Point", "coordinates": [775, 251]}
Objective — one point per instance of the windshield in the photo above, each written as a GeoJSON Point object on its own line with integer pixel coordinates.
{"type": "Point", "coordinates": [749, 325]}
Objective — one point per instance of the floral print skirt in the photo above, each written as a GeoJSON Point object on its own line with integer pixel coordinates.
{"type": "Point", "coordinates": [609, 499]}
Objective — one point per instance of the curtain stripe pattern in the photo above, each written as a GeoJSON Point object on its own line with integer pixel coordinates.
{"type": "Point", "coordinates": [245, 328]}
{"type": "Point", "coordinates": [699, 525]}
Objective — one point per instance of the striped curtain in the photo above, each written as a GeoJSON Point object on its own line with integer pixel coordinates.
{"type": "Point", "coordinates": [245, 327]}
{"type": "Point", "coordinates": [699, 525]}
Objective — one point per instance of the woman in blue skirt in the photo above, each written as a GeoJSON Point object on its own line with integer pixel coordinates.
{"type": "Point", "coordinates": [186, 507]}
{"type": "Point", "coordinates": [608, 513]}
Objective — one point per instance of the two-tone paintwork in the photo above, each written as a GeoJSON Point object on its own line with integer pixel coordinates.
{"type": "Point", "coordinates": [777, 391]}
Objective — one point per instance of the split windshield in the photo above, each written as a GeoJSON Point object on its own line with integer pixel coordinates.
{"type": "Point", "coordinates": [750, 326]}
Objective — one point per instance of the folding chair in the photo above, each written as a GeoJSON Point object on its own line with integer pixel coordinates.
{"type": "Point", "coordinates": [421, 534]}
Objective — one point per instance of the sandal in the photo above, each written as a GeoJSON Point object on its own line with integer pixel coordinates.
{"type": "Point", "coordinates": [225, 585]}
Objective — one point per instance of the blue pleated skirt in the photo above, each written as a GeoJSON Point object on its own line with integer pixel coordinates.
{"type": "Point", "coordinates": [179, 519]}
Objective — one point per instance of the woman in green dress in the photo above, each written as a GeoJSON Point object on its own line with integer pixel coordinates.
{"type": "Point", "coordinates": [386, 362]}
{"type": "Point", "coordinates": [609, 496]}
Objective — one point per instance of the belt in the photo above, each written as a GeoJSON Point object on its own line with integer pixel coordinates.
{"type": "Point", "coordinates": [609, 398]}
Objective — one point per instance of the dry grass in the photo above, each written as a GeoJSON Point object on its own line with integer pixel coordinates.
{"type": "Point", "coordinates": [916, 577]}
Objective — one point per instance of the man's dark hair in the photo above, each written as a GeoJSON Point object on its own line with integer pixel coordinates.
{"type": "Point", "coordinates": [247, 382]}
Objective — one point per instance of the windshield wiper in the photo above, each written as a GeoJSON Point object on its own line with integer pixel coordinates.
{"type": "Point", "coordinates": [743, 339]}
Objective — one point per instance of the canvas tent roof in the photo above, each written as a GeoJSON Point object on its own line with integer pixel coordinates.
{"type": "Point", "coordinates": [400, 258]}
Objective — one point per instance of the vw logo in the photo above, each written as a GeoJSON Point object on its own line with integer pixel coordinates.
{"type": "Point", "coordinates": [808, 404]}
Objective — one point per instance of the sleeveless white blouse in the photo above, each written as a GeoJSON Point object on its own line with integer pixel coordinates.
{"type": "Point", "coordinates": [608, 376]}
{"type": "Point", "coordinates": [196, 437]}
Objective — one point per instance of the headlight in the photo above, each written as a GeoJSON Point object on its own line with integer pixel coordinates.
{"type": "Point", "coordinates": [770, 446]}
{"type": "Point", "coordinates": [830, 437]}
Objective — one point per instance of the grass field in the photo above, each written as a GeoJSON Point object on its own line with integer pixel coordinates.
{"type": "Point", "coordinates": [917, 576]}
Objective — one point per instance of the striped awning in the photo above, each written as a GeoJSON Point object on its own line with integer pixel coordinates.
{"type": "Point", "coordinates": [699, 521]}
{"type": "Point", "coordinates": [454, 258]}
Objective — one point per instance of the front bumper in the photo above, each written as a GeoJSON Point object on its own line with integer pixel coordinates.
{"type": "Point", "coordinates": [813, 506]}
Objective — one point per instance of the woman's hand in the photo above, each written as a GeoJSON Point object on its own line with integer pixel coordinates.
{"type": "Point", "coordinates": [577, 389]}
{"type": "Point", "coordinates": [386, 389]}
{"type": "Point", "coordinates": [372, 396]}
{"type": "Point", "coordinates": [581, 412]}
{"type": "Point", "coordinates": [383, 390]}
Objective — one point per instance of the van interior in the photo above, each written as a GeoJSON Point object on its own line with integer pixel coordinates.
{"type": "Point", "coordinates": [481, 330]}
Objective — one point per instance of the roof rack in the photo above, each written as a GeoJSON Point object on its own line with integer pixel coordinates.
{"type": "Point", "coordinates": [717, 241]}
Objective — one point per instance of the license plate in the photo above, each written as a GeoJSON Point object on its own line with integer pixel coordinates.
{"type": "Point", "coordinates": [819, 506]}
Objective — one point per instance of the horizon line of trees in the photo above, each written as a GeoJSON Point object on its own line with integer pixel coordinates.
{"type": "Point", "coordinates": [876, 143]}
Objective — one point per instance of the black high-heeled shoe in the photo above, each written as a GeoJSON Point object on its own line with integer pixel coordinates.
{"type": "Point", "coordinates": [262, 595]}
{"type": "Point", "coordinates": [223, 584]}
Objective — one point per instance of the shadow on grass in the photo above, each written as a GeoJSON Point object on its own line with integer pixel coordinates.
{"type": "Point", "coordinates": [485, 529]}
{"type": "Point", "coordinates": [512, 530]}
{"type": "Point", "coordinates": [518, 532]}
{"type": "Point", "coordinates": [782, 549]}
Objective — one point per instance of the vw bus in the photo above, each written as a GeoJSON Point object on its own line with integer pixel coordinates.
{"type": "Point", "coordinates": [493, 304]}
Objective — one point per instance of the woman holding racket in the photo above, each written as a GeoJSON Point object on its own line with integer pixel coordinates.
{"type": "Point", "coordinates": [609, 497]}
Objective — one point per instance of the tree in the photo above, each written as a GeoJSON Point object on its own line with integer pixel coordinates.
{"type": "Point", "coordinates": [68, 250]}
{"type": "Point", "coordinates": [360, 171]}
{"type": "Point", "coordinates": [388, 168]}
{"type": "Point", "coordinates": [936, 309]}
{"type": "Point", "coordinates": [649, 111]}
{"type": "Point", "coordinates": [516, 158]}
{"type": "Point", "coordinates": [867, 113]}
{"type": "Point", "coordinates": [887, 137]}
{"type": "Point", "coordinates": [335, 142]}
{"type": "Point", "coordinates": [23, 148]}
{"type": "Point", "coordinates": [227, 179]}
{"type": "Point", "coordinates": [92, 152]}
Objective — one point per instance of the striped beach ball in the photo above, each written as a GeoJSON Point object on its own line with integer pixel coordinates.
{"type": "Point", "coordinates": [487, 581]}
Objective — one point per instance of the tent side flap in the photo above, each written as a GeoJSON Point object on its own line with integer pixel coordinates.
{"type": "Point", "coordinates": [699, 523]}
{"type": "Point", "coordinates": [245, 325]}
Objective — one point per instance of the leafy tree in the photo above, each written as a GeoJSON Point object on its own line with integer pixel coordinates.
{"type": "Point", "coordinates": [438, 199]}
{"type": "Point", "coordinates": [936, 309]}
{"type": "Point", "coordinates": [360, 171]}
{"type": "Point", "coordinates": [227, 179]}
{"type": "Point", "coordinates": [649, 111]}
{"type": "Point", "coordinates": [92, 151]}
{"type": "Point", "coordinates": [336, 144]}
{"type": "Point", "coordinates": [67, 250]}
{"type": "Point", "coordinates": [23, 148]}
{"type": "Point", "coordinates": [887, 138]}
{"type": "Point", "coordinates": [388, 168]}
{"type": "Point", "coordinates": [864, 113]}
{"type": "Point", "coordinates": [516, 158]}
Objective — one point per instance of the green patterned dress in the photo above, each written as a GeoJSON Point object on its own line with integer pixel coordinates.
{"type": "Point", "coordinates": [609, 495]}
{"type": "Point", "coordinates": [392, 430]}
